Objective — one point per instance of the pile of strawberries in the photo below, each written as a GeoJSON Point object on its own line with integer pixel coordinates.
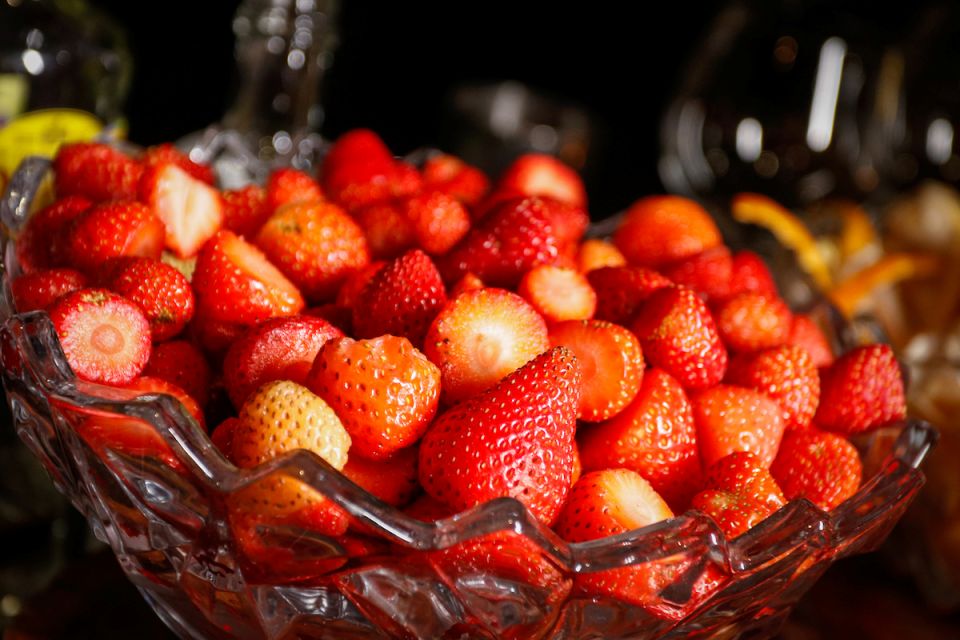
{"type": "Point", "coordinates": [444, 343]}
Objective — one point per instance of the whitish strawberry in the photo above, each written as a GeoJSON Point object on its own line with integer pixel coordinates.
{"type": "Point", "coordinates": [190, 209]}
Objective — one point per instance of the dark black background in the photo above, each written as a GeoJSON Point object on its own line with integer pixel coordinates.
{"type": "Point", "coordinates": [397, 61]}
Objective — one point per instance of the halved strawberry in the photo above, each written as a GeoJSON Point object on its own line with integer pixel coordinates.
{"type": "Point", "coordinates": [450, 175]}
{"type": "Point", "coordinates": [190, 209]}
{"type": "Point", "coordinates": [42, 243]}
{"type": "Point", "coordinates": [621, 291]}
{"type": "Point", "coordinates": [290, 186]}
{"type": "Point", "coordinates": [753, 321]}
{"type": "Point", "coordinates": [104, 336]}
{"type": "Point", "coordinates": [161, 292]}
{"type": "Point", "coordinates": [110, 230]}
{"type": "Point", "coordinates": [245, 210]}
{"type": "Point", "coordinates": [275, 349]}
{"type": "Point", "coordinates": [95, 171]}
{"type": "Point", "coordinates": [235, 283]}
{"type": "Point", "coordinates": [731, 418]}
{"type": "Point", "coordinates": [513, 440]}
{"type": "Point", "coordinates": [168, 154]}
{"type": "Point", "coordinates": [480, 337]}
{"type": "Point", "coordinates": [181, 363]}
{"type": "Point", "coordinates": [658, 230]}
{"type": "Point", "coordinates": [316, 245]}
{"type": "Point", "coordinates": [819, 466]}
{"type": "Point", "coordinates": [654, 435]}
{"type": "Point", "coordinates": [402, 299]}
{"type": "Point", "coordinates": [611, 361]}
{"type": "Point", "coordinates": [558, 293]}
{"type": "Point", "coordinates": [788, 375]}
{"type": "Point", "coordinates": [678, 335]}
{"type": "Point", "coordinates": [595, 253]}
{"type": "Point", "coordinates": [41, 288]}
{"type": "Point", "coordinates": [393, 480]}
{"type": "Point", "coordinates": [861, 390]}
{"type": "Point", "coordinates": [537, 174]}
{"type": "Point", "coordinates": [606, 503]}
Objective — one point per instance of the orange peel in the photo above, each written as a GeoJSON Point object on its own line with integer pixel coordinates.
{"type": "Point", "coordinates": [891, 268]}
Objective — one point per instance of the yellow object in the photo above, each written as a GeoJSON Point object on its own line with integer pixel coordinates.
{"type": "Point", "coordinates": [40, 133]}
{"type": "Point", "coordinates": [753, 208]}
{"type": "Point", "coordinates": [857, 232]}
{"type": "Point", "coordinates": [889, 269]}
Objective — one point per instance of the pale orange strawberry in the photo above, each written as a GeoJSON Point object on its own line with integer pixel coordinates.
{"type": "Point", "coordinates": [558, 293]}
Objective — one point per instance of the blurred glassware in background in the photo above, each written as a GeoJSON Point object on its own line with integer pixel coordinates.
{"type": "Point", "coordinates": [283, 49]}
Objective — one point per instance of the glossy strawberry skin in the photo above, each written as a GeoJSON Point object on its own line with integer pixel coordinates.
{"type": "Point", "coordinates": [41, 288]}
{"type": "Point", "coordinates": [245, 210]}
{"type": "Point", "coordinates": [162, 293]}
{"type": "Point", "coordinates": [708, 273]}
{"type": "Point", "coordinates": [181, 363]}
{"type": "Point", "coordinates": [788, 375]}
{"type": "Point", "coordinates": [731, 418]}
{"type": "Point", "coordinates": [42, 242]}
{"type": "Point", "coordinates": [819, 466]}
{"type": "Point", "coordinates": [111, 230]}
{"type": "Point", "coordinates": [514, 440]}
{"type": "Point", "coordinates": [450, 175]}
{"type": "Point", "coordinates": [289, 186]}
{"type": "Point", "coordinates": [753, 321]}
{"type": "Point", "coordinates": [437, 221]}
{"type": "Point", "coordinates": [168, 154]}
{"type": "Point", "coordinates": [863, 389]}
{"type": "Point", "coordinates": [748, 272]}
{"type": "Point", "coordinates": [658, 230]}
{"type": "Point", "coordinates": [806, 333]}
{"type": "Point", "coordinates": [96, 171]}
{"type": "Point", "coordinates": [621, 291]}
{"type": "Point", "coordinates": [536, 174]}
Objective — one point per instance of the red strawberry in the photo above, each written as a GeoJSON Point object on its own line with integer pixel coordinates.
{"type": "Point", "coordinates": [753, 321]}
{"type": "Point", "coordinates": [95, 171]}
{"type": "Point", "coordinates": [438, 221]}
{"type": "Point", "coordinates": [569, 222]}
{"type": "Point", "coordinates": [607, 503]}
{"type": "Point", "coordinates": [145, 385]}
{"type": "Point", "coordinates": [468, 282]}
{"type": "Point", "coordinates": [169, 154]}
{"type": "Point", "coordinates": [104, 336]}
{"type": "Point", "coordinates": [316, 245]}
{"type": "Point", "coordinates": [731, 418]}
{"type": "Point", "coordinates": [180, 363]}
{"type": "Point", "coordinates": [42, 242]}
{"type": "Point", "coordinates": [514, 238]}
{"type": "Point", "coordinates": [393, 480]}
{"type": "Point", "coordinates": [355, 147]}
{"type": "Point", "coordinates": [537, 174]}
{"type": "Point", "coordinates": [513, 440]}
{"type": "Point", "coordinates": [235, 283]}
{"type": "Point", "coordinates": [402, 299]}
{"type": "Point", "coordinates": [655, 436]}
{"type": "Point", "coordinates": [822, 467]}
{"type": "Point", "coordinates": [480, 337]}
{"type": "Point", "coordinates": [739, 493]}
{"type": "Point", "coordinates": [222, 436]}
{"type": "Point", "coordinates": [558, 293]}
{"type": "Point", "coordinates": [384, 390]}
{"type": "Point", "coordinates": [190, 209]}
{"type": "Point", "coordinates": [113, 229]}
{"type": "Point", "coordinates": [595, 253]}
{"type": "Point", "coordinates": [708, 273]}
{"type": "Point", "coordinates": [861, 390]}
{"type": "Point", "coordinates": [611, 361]}
{"type": "Point", "coordinates": [678, 335]}
{"type": "Point", "coordinates": [806, 333]}
{"type": "Point", "coordinates": [750, 273]}
{"type": "Point", "coordinates": [39, 289]}
{"type": "Point", "coordinates": [428, 509]}
{"type": "Point", "coordinates": [658, 230]}
{"type": "Point", "coordinates": [360, 171]}
{"type": "Point", "coordinates": [788, 375]}
{"type": "Point", "coordinates": [354, 284]}
{"type": "Point", "coordinates": [213, 335]}
{"type": "Point", "coordinates": [621, 291]}
{"type": "Point", "coordinates": [245, 210]}
{"type": "Point", "coordinates": [290, 186]}
{"type": "Point", "coordinates": [388, 230]}
{"type": "Point", "coordinates": [276, 349]}
{"type": "Point", "coordinates": [161, 292]}
{"type": "Point", "coordinates": [452, 176]}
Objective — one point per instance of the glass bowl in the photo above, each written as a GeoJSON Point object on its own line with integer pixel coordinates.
{"type": "Point", "coordinates": [161, 499]}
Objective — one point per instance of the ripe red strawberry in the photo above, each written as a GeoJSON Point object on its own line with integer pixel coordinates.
{"type": "Point", "coordinates": [819, 466]}
{"type": "Point", "coordinates": [708, 273]}
{"type": "Point", "coordinates": [235, 283]}
{"type": "Point", "coordinates": [316, 245]}
{"type": "Point", "coordinates": [95, 171]}
{"type": "Point", "coordinates": [161, 292]}
{"type": "Point", "coordinates": [654, 435]}
{"type": "Point", "coordinates": [678, 335]}
{"type": "Point", "coordinates": [245, 210]}
{"type": "Point", "coordinates": [658, 230]}
{"type": "Point", "coordinates": [753, 321]}
{"type": "Point", "coordinates": [595, 253]}
{"type": "Point", "coordinates": [450, 175]}
{"type": "Point", "coordinates": [731, 418]}
{"type": "Point", "coordinates": [514, 238]}
{"type": "Point", "coordinates": [438, 221]}
{"type": "Point", "coordinates": [739, 492]}
{"type": "Point", "coordinates": [480, 337]}
{"type": "Point", "coordinates": [388, 230]}
{"type": "Point", "coordinates": [788, 375]}
{"type": "Point", "coordinates": [861, 390]}
{"type": "Point", "coordinates": [42, 242]}
{"type": "Point", "coordinates": [41, 288]}
{"type": "Point", "coordinates": [179, 362]}
{"type": "Point", "coordinates": [353, 284]}
{"type": "Point", "coordinates": [428, 509]}
{"type": "Point", "coordinates": [611, 361]}
{"type": "Point", "coordinates": [750, 273]}
{"type": "Point", "coordinates": [355, 147]}
{"type": "Point", "coordinates": [190, 209]}
{"type": "Point", "coordinates": [169, 154]}
{"type": "Point", "coordinates": [468, 282]}
{"type": "Point", "coordinates": [513, 440]}
{"type": "Point", "coordinates": [104, 336]}
{"type": "Point", "coordinates": [112, 229]}
{"type": "Point", "coordinates": [804, 332]}
{"type": "Point", "coordinates": [558, 293]}
{"type": "Point", "coordinates": [360, 171]}
{"type": "Point", "coordinates": [290, 186]}
{"type": "Point", "coordinates": [145, 385]}
{"type": "Point", "coordinates": [222, 436]}
{"type": "Point", "coordinates": [402, 299]}
{"type": "Point", "coordinates": [214, 336]}
{"type": "Point", "coordinates": [275, 349]}
{"type": "Point", "coordinates": [384, 390]}
{"type": "Point", "coordinates": [537, 174]}
{"type": "Point", "coordinates": [393, 480]}
{"type": "Point", "coordinates": [606, 503]}
{"type": "Point", "coordinates": [621, 291]}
